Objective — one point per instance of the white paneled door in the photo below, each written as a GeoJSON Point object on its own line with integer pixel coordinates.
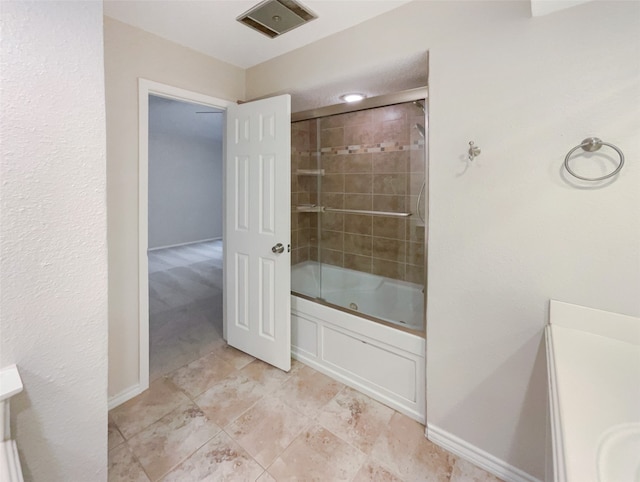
{"type": "Point", "coordinates": [258, 229]}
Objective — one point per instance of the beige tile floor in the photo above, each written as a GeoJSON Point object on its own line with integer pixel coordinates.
{"type": "Point", "coordinates": [228, 416]}
{"type": "Point", "coordinates": [214, 413]}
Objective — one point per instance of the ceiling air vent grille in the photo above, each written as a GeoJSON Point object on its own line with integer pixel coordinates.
{"type": "Point", "coordinates": [275, 17]}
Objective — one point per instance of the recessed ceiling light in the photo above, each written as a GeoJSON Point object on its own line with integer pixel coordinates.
{"type": "Point", "coordinates": [353, 97]}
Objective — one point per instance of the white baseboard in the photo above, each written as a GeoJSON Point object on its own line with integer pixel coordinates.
{"type": "Point", "coordinates": [124, 396]}
{"type": "Point", "coordinates": [184, 244]}
{"type": "Point", "coordinates": [477, 456]}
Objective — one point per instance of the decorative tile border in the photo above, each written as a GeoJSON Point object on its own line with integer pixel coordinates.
{"type": "Point", "coordinates": [364, 149]}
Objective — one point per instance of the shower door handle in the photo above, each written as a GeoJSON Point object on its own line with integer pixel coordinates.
{"type": "Point", "coordinates": [278, 248]}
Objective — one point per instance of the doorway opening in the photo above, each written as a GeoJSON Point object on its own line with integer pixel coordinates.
{"type": "Point", "coordinates": [185, 232]}
{"type": "Point", "coordinates": [181, 202]}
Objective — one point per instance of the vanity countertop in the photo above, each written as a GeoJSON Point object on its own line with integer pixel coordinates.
{"type": "Point", "coordinates": [10, 382]}
{"type": "Point", "coordinates": [594, 377]}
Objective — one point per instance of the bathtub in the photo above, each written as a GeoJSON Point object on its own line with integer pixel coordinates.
{"type": "Point", "coordinates": [376, 358]}
{"type": "Point", "coordinates": [389, 300]}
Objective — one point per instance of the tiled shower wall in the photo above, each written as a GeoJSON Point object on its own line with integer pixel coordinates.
{"type": "Point", "coordinates": [372, 160]}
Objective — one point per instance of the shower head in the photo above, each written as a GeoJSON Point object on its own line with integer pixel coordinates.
{"type": "Point", "coordinates": [419, 104]}
{"type": "Point", "coordinates": [420, 128]}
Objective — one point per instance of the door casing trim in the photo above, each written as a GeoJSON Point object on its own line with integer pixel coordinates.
{"type": "Point", "coordinates": [145, 88]}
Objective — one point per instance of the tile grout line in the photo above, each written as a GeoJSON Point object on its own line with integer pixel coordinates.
{"type": "Point", "coordinates": [135, 457]}
{"type": "Point", "coordinates": [191, 454]}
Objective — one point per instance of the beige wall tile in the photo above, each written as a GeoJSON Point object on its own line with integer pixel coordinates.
{"type": "Point", "coordinates": [391, 112]}
{"type": "Point", "coordinates": [330, 256]}
{"type": "Point", "coordinates": [332, 163]}
{"type": "Point", "coordinates": [358, 223]}
{"type": "Point", "coordinates": [415, 274]}
{"type": "Point", "coordinates": [358, 263]}
{"type": "Point", "coordinates": [358, 117]}
{"type": "Point", "coordinates": [417, 161]}
{"type": "Point", "coordinates": [333, 200]}
{"type": "Point", "coordinates": [414, 182]}
{"type": "Point", "coordinates": [389, 249]}
{"type": "Point", "coordinates": [303, 237]}
{"type": "Point", "coordinates": [389, 227]}
{"type": "Point", "coordinates": [333, 221]}
{"type": "Point", "coordinates": [333, 137]}
{"type": "Point", "coordinates": [395, 184]}
{"type": "Point", "coordinates": [357, 244]}
{"type": "Point", "coordinates": [358, 201]}
{"type": "Point", "coordinates": [390, 203]}
{"type": "Point", "coordinates": [415, 253]}
{"type": "Point", "coordinates": [415, 230]}
{"type": "Point", "coordinates": [393, 131]}
{"type": "Point", "coordinates": [358, 135]}
{"type": "Point", "coordinates": [332, 240]}
{"type": "Point", "coordinates": [388, 269]}
{"type": "Point", "coordinates": [358, 183]}
{"type": "Point", "coordinates": [356, 163]}
{"type": "Point", "coordinates": [395, 161]}
{"type": "Point", "coordinates": [333, 183]}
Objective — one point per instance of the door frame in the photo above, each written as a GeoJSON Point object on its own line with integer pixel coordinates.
{"type": "Point", "coordinates": [145, 88]}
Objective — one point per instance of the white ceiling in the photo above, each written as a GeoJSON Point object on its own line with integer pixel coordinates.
{"type": "Point", "coordinates": [210, 26]}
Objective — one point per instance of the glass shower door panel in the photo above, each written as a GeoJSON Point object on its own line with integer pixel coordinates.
{"type": "Point", "coordinates": [305, 273]}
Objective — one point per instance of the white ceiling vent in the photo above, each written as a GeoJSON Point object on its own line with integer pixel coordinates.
{"type": "Point", "coordinates": [275, 17]}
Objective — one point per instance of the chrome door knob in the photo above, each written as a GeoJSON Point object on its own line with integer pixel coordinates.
{"type": "Point", "coordinates": [278, 248]}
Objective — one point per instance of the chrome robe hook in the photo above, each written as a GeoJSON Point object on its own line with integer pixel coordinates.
{"type": "Point", "coordinates": [474, 151]}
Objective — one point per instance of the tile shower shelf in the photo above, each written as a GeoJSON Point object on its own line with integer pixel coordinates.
{"type": "Point", "coordinates": [310, 172]}
{"type": "Point", "coordinates": [309, 209]}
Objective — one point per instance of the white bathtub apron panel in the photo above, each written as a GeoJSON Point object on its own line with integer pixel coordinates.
{"type": "Point", "coordinates": [385, 363]}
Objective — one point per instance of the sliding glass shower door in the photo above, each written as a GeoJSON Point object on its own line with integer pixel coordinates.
{"type": "Point", "coordinates": [358, 184]}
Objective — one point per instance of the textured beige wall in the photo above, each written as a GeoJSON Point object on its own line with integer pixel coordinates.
{"type": "Point", "coordinates": [508, 231]}
{"type": "Point", "coordinates": [53, 236]}
{"type": "Point", "coordinates": [130, 54]}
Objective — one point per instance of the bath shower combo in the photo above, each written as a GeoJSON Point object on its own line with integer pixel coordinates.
{"type": "Point", "coordinates": [359, 245]}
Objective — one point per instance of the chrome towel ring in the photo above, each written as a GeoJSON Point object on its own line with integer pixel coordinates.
{"type": "Point", "coordinates": [592, 144]}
